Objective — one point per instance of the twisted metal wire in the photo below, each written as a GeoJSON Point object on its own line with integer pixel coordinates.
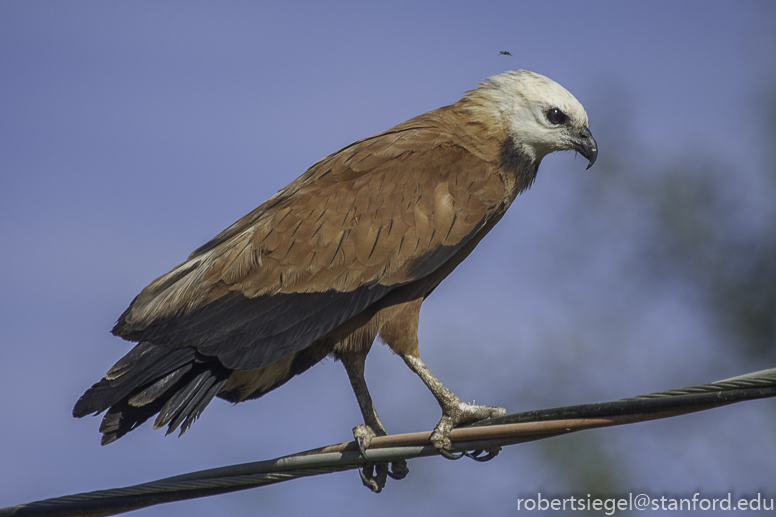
{"type": "Point", "coordinates": [761, 379]}
{"type": "Point", "coordinates": [755, 385]}
{"type": "Point", "coordinates": [485, 438]}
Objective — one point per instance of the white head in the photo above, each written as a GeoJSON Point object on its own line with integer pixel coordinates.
{"type": "Point", "coordinates": [539, 115]}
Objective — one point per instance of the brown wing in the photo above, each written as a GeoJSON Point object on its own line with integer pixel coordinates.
{"type": "Point", "coordinates": [381, 213]}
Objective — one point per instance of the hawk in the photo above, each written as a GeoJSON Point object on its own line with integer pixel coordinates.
{"type": "Point", "coordinates": [344, 254]}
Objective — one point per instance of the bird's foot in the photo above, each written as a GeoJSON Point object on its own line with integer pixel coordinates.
{"type": "Point", "coordinates": [374, 476]}
{"type": "Point", "coordinates": [457, 412]}
{"type": "Point", "coordinates": [363, 435]}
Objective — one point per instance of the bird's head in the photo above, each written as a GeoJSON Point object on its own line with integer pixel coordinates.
{"type": "Point", "coordinates": [539, 115]}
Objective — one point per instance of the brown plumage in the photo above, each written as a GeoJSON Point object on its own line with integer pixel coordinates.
{"type": "Point", "coordinates": [345, 253]}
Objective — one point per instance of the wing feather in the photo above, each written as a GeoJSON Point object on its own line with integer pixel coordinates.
{"type": "Point", "coordinates": [379, 214]}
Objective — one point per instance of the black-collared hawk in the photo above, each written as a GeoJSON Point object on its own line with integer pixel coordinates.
{"type": "Point", "coordinates": [345, 253]}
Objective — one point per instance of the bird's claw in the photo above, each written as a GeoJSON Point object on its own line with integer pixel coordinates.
{"type": "Point", "coordinates": [450, 455]}
{"type": "Point", "coordinates": [361, 448]}
{"type": "Point", "coordinates": [479, 456]}
{"type": "Point", "coordinates": [456, 413]}
{"type": "Point", "coordinates": [399, 470]}
{"type": "Point", "coordinates": [374, 476]}
{"type": "Point", "coordinates": [363, 435]}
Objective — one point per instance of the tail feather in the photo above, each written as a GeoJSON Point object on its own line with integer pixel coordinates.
{"type": "Point", "coordinates": [121, 418]}
{"type": "Point", "coordinates": [176, 383]}
{"type": "Point", "coordinates": [196, 404]}
{"type": "Point", "coordinates": [183, 402]}
{"type": "Point", "coordinates": [200, 407]}
{"type": "Point", "coordinates": [158, 388]}
{"type": "Point", "coordinates": [142, 365]}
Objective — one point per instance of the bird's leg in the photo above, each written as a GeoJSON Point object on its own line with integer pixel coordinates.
{"type": "Point", "coordinates": [373, 476]}
{"type": "Point", "coordinates": [354, 365]}
{"type": "Point", "coordinates": [454, 410]}
{"type": "Point", "coordinates": [400, 332]}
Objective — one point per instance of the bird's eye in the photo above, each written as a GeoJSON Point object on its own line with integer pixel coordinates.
{"type": "Point", "coordinates": [556, 116]}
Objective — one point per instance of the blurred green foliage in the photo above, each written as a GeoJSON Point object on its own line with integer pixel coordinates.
{"type": "Point", "coordinates": [722, 241]}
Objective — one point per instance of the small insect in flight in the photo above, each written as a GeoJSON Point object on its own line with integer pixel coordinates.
{"type": "Point", "coordinates": [504, 53]}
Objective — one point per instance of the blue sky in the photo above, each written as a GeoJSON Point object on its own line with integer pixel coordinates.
{"type": "Point", "coordinates": [131, 133]}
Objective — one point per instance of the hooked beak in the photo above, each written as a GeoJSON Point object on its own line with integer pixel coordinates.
{"type": "Point", "coordinates": [587, 146]}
